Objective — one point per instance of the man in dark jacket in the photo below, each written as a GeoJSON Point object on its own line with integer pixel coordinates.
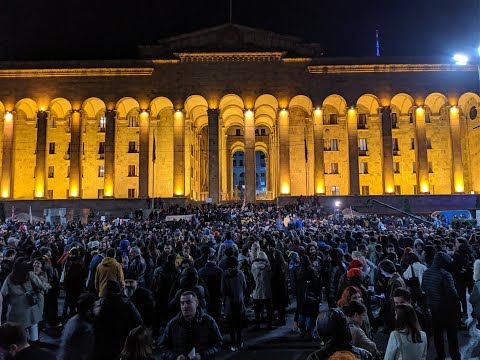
{"type": "Point", "coordinates": [140, 297]}
{"type": "Point", "coordinates": [202, 260]}
{"type": "Point", "coordinates": [115, 317]}
{"type": "Point", "coordinates": [192, 334]}
{"type": "Point", "coordinates": [137, 265]}
{"type": "Point", "coordinates": [443, 301]}
{"type": "Point", "coordinates": [462, 272]}
{"type": "Point", "coordinates": [211, 275]}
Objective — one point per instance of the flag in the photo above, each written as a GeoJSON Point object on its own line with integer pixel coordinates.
{"type": "Point", "coordinates": [305, 144]}
{"type": "Point", "coordinates": [154, 150]}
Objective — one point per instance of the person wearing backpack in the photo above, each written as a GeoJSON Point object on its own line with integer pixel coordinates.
{"type": "Point", "coordinates": [413, 276]}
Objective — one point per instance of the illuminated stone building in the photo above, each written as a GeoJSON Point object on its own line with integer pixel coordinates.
{"type": "Point", "coordinates": [167, 125]}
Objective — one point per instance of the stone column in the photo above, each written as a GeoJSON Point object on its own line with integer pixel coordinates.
{"type": "Point", "coordinates": [179, 153]}
{"type": "Point", "coordinates": [6, 183]}
{"type": "Point", "coordinates": [76, 154]}
{"type": "Point", "coordinates": [457, 164]}
{"type": "Point", "coordinates": [284, 152]}
{"type": "Point", "coordinates": [319, 164]}
{"type": "Point", "coordinates": [353, 152]}
{"type": "Point", "coordinates": [249, 156]}
{"type": "Point", "coordinates": [387, 149]}
{"type": "Point", "coordinates": [143, 156]}
{"type": "Point", "coordinates": [109, 176]}
{"type": "Point", "coordinates": [40, 155]}
{"type": "Point", "coordinates": [213, 156]}
{"type": "Point", "coordinates": [423, 184]}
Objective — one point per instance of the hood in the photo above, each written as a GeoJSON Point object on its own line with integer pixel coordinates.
{"type": "Point", "coordinates": [231, 272]}
{"type": "Point", "coordinates": [417, 241]}
{"type": "Point", "coordinates": [260, 263]}
{"type": "Point", "coordinates": [442, 260]}
{"type": "Point", "coordinates": [108, 261]}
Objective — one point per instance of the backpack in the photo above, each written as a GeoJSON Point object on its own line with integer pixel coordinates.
{"type": "Point", "coordinates": [413, 285]}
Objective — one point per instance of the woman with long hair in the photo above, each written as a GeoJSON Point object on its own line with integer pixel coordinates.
{"type": "Point", "coordinates": [138, 345]}
{"type": "Point", "coordinates": [23, 291]}
{"type": "Point", "coordinates": [407, 341]}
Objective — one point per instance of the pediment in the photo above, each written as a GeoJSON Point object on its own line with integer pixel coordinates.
{"type": "Point", "coordinates": [231, 38]}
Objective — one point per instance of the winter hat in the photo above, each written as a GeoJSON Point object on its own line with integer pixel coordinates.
{"type": "Point", "coordinates": [354, 273]}
{"type": "Point", "coordinates": [124, 245]}
{"type": "Point", "coordinates": [355, 264]}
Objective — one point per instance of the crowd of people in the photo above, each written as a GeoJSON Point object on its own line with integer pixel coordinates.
{"type": "Point", "coordinates": [136, 287]}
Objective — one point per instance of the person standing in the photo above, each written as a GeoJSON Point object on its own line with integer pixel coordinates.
{"type": "Point", "coordinates": [233, 287]}
{"type": "Point", "coordinates": [192, 334]}
{"type": "Point", "coordinates": [108, 269]}
{"type": "Point", "coordinates": [211, 275]}
{"type": "Point", "coordinates": [75, 274]}
{"type": "Point", "coordinates": [15, 291]}
{"type": "Point", "coordinates": [407, 341]}
{"type": "Point", "coordinates": [140, 297]}
{"type": "Point", "coordinates": [262, 294]}
{"type": "Point", "coordinates": [442, 300]}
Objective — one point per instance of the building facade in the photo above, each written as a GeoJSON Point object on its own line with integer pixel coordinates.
{"type": "Point", "coordinates": [172, 123]}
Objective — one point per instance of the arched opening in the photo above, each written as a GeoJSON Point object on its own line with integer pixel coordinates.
{"type": "Point", "coordinates": [238, 175]}
{"type": "Point", "coordinates": [261, 175]}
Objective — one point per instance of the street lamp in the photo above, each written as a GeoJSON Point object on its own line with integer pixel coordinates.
{"type": "Point", "coordinates": [461, 59]}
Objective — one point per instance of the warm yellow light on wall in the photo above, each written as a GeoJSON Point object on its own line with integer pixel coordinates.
{"type": "Point", "coordinates": [8, 116]}
{"type": "Point", "coordinates": [459, 187]}
{"type": "Point", "coordinates": [389, 189]}
{"type": "Point", "coordinates": [178, 192]}
{"type": "Point", "coordinates": [285, 189]}
{"type": "Point", "coordinates": [320, 189]}
{"type": "Point", "coordinates": [108, 191]}
{"type": "Point", "coordinates": [454, 110]}
{"type": "Point", "coordinates": [39, 192]}
{"type": "Point", "coordinates": [74, 192]}
{"type": "Point", "coordinates": [317, 112]}
{"type": "Point", "coordinates": [420, 110]}
{"type": "Point", "coordinates": [424, 187]}
{"type": "Point", "coordinates": [5, 193]}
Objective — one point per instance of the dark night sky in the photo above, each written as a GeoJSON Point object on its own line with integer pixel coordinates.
{"type": "Point", "coordinates": [73, 29]}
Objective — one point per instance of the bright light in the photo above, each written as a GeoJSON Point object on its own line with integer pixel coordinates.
{"type": "Point", "coordinates": [337, 203]}
{"type": "Point", "coordinates": [285, 189]}
{"type": "Point", "coordinates": [478, 51]}
{"type": "Point", "coordinates": [8, 116]}
{"type": "Point", "coordinates": [460, 59]}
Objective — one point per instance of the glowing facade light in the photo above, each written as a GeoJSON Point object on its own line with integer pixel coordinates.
{"type": "Point", "coordinates": [8, 116]}
{"type": "Point", "coordinates": [285, 189]}
{"type": "Point", "coordinates": [460, 59]}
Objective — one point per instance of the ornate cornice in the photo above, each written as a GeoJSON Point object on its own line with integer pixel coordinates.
{"type": "Point", "coordinates": [230, 56]}
{"type": "Point", "coordinates": [79, 72]}
{"type": "Point", "coordinates": [296, 60]}
{"type": "Point", "coordinates": [167, 61]}
{"type": "Point", "coordinates": [388, 68]}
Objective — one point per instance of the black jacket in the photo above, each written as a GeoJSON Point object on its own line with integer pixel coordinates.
{"type": "Point", "coordinates": [438, 286]}
{"type": "Point", "coordinates": [143, 300]}
{"type": "Point", "coordinates": [181, 336]}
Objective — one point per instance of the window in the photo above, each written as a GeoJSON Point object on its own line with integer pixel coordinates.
{"type": "Point", "coordinates": [263, 132]}
{"type": "Point", "coordinates": [396, 167]}
{"type": "Point", "coordinates": [240, 162]}
{"type": "Point", "coordinates": [398, 190]}
{"type": "Point", "coordinates": [83, 148]}
{"type": "Point", "coordinates": [234, 162]}
{"type": "Point", "coordinates": [412, 143]}
{"type": "Point", "coordinates": [330, 119]}
{"type": "Point", "coordinates": [132, 147]}
{"type": "Point", "coordinates": [362, 147]}
{"type": "Point", "coordinates": [51, 148]}
{"type": "Point", "coordinates": [430, 167]}
{"type": "Point", "coordinates": [414, 167]}
{"type": "Point", "coordinates": [335, 190]}
{"type": "Point", "coordinates": [101, 150]}
{"type": "Point", "coordinates": [53, 122]}
{"type": "Point", "coordinates": [362, 121]}
{"type": "Point", "coordinates": [472, 114]}
{"type": "Point", "coordinates": [363, 168]}
{"type": "Point", "coordinates": [394, 119]}
{"type": "Point", "coordinates": [131, 193]}
{"type": "Point", "coordinates": [237, 132]}
{"type": "Point", "coordinates": [334, 168]}
{"type": "Point", "coordinates": [365, 190]}
{"type": "Point", "coordinates": [103, 122]}
{"type": "Point", "coordinates": [132, 121]}
{"type": "Point", "coordinates": [51, 171]}
{"type": "Point", "coordinates": [257, 132]}
{"type": "Point", "coordinates": [330, 145]}
{"type": "Point", "coordinates": [429, 143]}
{"type": "Point", "coordinates": [101, 171]}
{"type": "Point", "coordinates": [427, 118]}
{"type": "Point", "coordinates": [395, 146]}
{"type": "Point", "coordinates": [410, 117]}
{"type": "Point", "coordinates": [132, 170]}
{"type": "Point", "coordinates": [100, 193]}
{"type": "Point", "coordinates": [49, 194]}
